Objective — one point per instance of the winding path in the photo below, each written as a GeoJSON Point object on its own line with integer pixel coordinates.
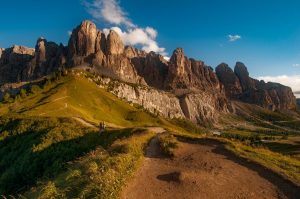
{"type": "Point", "coordinates": [204, 170]}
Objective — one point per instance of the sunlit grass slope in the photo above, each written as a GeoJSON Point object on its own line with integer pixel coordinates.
{"type": "Point", "coordinates": [75, 96]}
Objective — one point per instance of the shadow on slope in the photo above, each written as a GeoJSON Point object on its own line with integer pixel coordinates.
{"type": "Point", "coordinates": [35, 149]}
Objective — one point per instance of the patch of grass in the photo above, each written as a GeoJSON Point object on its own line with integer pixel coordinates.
{"type": "Point", "coordinates": [283, 164]}
{"type": "Point", "coordinates": [288, 146]}
{"type": "Point", "coordinates": [99, 174]}
{"type": "Point", "coordinates": [168, 143]}
{"type": "Point", "coordinates": [188, 126]}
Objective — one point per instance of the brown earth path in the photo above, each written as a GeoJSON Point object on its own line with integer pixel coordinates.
{"type": "Point", "coordinates": [204, 169]}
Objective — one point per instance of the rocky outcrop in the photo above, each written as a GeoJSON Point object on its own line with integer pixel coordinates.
{"type": "Point", "coordinates": [242, 73]}
{"type": "Point", "coordinates": [155, 101]}
{"type": "Point", "coordinates": [231, 82]}
{"type": "Point", "coordinates": [82, 43]}
{"type": "Point", "coordinates": [19, 63]}
{"type": "Point", "coordinates": [1, 51]}
{"type": "Point", "coordinates": [202, 108]}
{"type": "Point", "coordinates": [184, 73]}
{"type": "Point", "coordinates": [239, 85]}
{"type": "Point", "coordinates": [47, 57]}
{"type": "Point", "coordinates": [115, 45]}
{"type": "Point", "coordinates": [152, 67]}
{"type": "Point", "coordinates": [14, 61]}
{"type": "Point", "coordinates": [197, 107]}
{"type": "Point", "coordinates": [89, 47]}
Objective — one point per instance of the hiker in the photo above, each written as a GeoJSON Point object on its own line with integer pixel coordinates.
{"type": "Point", "coordinates": [102, 127]}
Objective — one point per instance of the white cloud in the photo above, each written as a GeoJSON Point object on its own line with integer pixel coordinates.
{"type": "Point", "coordinates": [69, 32]}
{"type": "Point", "coordinates": [296, 65]}
{"type": "Point", "coordinates": [233, 38]}
{"type": "Point", "coordinates": [291, 81]}
{"type": "Point", "coordinates": [138, 36]}
{"type": "Point", "coordinates": [111, 12]}
{"type": "Point", "coordinates": [167, 58]}
{"type": "Point", "coordinates": [152, 32]}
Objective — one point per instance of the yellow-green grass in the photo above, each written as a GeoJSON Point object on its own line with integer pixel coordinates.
{"type": "Point", "coordinates": [287, 166]}
{"type": "Point", "coordinates": [100, 174]}
{"type": "Point", "coordinates": [288, 146]}
{"type": "Point", "coordinates": [34, 148]}
{"type": "Point", "coordinates": [75, 96]}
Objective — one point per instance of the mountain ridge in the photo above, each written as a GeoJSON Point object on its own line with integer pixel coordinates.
{"type": "Point", "coordinates": [202, 93]}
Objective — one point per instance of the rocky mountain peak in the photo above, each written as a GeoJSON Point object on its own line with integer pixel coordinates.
{"type": "Point", "coordinates": [239, 85]}
{"type": "Point", "coordinates": [82, 42]}
{"type": "Point", "coordinates": [229, 80]}
{"type": "Point", "coordinates": [40, 49]}
{"type": "Point", "coordinates": [242, 73]}
{"type": "Point", "coordinates": [240, 68]}
{"type": "Point", "coordinates": [22, 50]}
{"type": "Point", "coordinates": [178, 57]}
{"type": "Point", "coordinates": [115, 44]}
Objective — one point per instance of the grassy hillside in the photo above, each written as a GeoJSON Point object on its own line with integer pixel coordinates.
{"type": "Point", "coordinates": [75, 96]}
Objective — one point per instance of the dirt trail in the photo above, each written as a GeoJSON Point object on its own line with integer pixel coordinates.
{"type": "Point", "coordinates": [204, 170]}
{"type": "Point", "coordinates": [85, 123]}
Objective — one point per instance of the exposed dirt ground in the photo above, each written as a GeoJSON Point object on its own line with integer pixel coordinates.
{"type": "Point", "coordinates": [204, 170]}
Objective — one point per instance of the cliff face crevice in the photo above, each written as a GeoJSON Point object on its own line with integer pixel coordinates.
{"type": "Point", "coordinates": [180, 87]}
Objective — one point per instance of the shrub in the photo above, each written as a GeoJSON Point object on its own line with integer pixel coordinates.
{"type": "Point", "coordinates": [168, 143]}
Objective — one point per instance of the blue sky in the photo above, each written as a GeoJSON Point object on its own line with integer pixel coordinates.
{"type": "Point", "coordinates": [269, 30]}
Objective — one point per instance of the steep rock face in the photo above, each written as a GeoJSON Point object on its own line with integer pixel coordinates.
{"type": "Point", "coordinates": [282, 97]}
{"type": "Point", "coordinates": [100, 44]}
{"type": "Point", "coordinates": [153, 100]}
{"type": "Point", "coordinates": [19, 63]}
{"type": "Point", "coordinates": [152, 67]}
{"type": "Point", "coordinates": [13, 62]}
{"type": "Point", "coordinates": [239, 85]}
{"type": "Point", "coordinates": [90, 47]}
{"type": "Point", "coordinates": [1, 51]}
{"type": "Point", "coordinates": [132, 52]}
{"type": "Point", "coordinates": [184, 73]}
{"type": "Point", "coordinates": [268, 95]}
{"type": "Point", "coordinates": [195, 107]}
{"type": "Point", "coordinates": [202, 108]}
{"type": "Point", "coordinates": [82, 43]}
{"type": "Point", "coordinates": [198, 87]}
{"type": "Point", "coordinates": [231, 82]}
{"type": "Point", "coordinates": [242, 73]}
{"type": "Point", "coordinates": [46, 57]}
{"type": "Point", "coordinates": [115, 45]}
